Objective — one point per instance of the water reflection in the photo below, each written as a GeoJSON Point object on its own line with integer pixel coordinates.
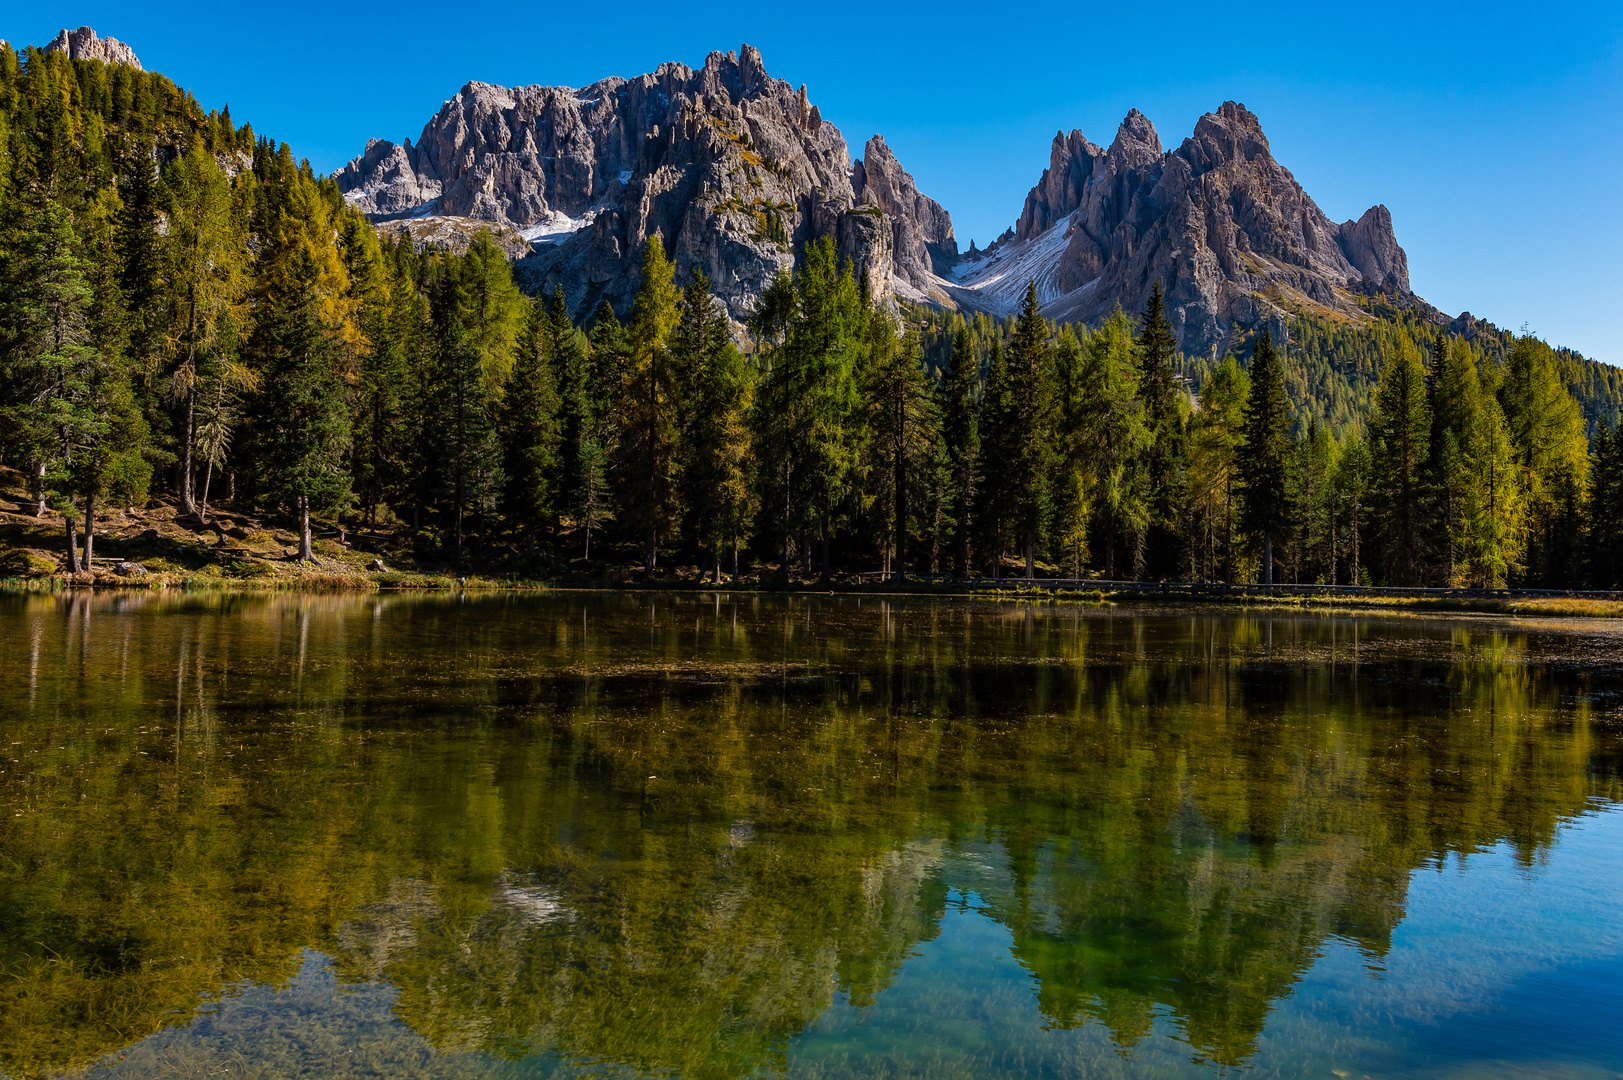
{"type": "Point", "coordinates": [688, 835]}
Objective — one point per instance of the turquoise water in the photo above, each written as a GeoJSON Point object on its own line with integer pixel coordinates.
{"type": "Point", "coordinates": [612, 835]}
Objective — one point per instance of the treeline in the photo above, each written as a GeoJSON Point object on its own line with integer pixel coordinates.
{"type": "Point", "coordinates": [183, 307]}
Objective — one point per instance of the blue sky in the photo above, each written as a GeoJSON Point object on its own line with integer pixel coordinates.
{"type": "Point", "coordinates": [1493, 131]}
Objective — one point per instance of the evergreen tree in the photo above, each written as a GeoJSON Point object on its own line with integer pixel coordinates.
{"type": "Point", "coordinates": [1349, 489]}
{"type": "Point", "coordinates": [47, 357]}
{"type": "Point", "coordinates": [717, 480]}
{"type": "Point", "coordinates": [995, 502]}
{"type": "Point", "coordinates": [1265, 455]}
{"type": "Point", "coordinates": [530, 431]}
{"type": "Point", "coordinates": [1547, 429]}
{"type": "Point", "coordinates": [1032, 438]}
{"type": "Point", "coordinates": [1400, 443]}
{"type": "Point", "coordinates": [904, 429]}
{"type": "Point", "coordinates": [654, 407]}
{"type": "Point", "coordinates": [469, 447]}
{"type": "Point", "coordinates": [302, 423]}
{"type": "Point", "coordinates": [1213, 473]}
{"type": "Point", "coordinates": [1603, 533]}
{"type": "Point", "coordinates": [1112, 439]}
{"type": "Point", "coordinates": [1164, 415]}
{"type": "Point", "coordinates": [961, 437]}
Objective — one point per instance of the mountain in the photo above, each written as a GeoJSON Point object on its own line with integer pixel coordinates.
{"type": "Point", "coordinates": [734, 169]}
{"type": "Point", "coordinates": [1227, 231]}
{"type": "Point", "coordinates": [83, 44]}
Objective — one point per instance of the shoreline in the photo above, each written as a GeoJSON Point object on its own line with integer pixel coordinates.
{"type": "Point", "coordinates": [1540, 603]}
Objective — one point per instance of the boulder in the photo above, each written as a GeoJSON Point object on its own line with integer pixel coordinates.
{"type": "Point", "coordinates": [377, 567]}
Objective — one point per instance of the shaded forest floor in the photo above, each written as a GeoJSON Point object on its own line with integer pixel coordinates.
{"type": "Point", "coordinates": [157, 546]}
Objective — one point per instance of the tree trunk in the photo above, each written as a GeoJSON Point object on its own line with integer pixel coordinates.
{"type": "Point", "coordinates": [648, 552]}
{"type": "Point", "coordinates": [1268, 559]}
{"type": "Point", "coordinates": [73, 541]}
{"type": "Point", "coordinates": [305, 552]}
{"type": "Point", "coordinates": [39, 490]}
{"type": "Point", "coordinates": [188, 502]}
{"type": "Point", "coordinates": [826, 567]}
{"type": "Point", "coordinates": [203, 506]}
{"type": "Point", "coordinates": [90, 531]}
{"type": "Point", "coordinates": [231, 486]}
{"type": "Point", "coordinates": [735, 558]}
{"type": "Point", "coordinates": [588, 555]}
{"type": "Point", "coordinates": [1031, 558]}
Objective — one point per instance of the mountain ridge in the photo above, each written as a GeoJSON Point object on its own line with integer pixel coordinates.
{"type": "Point", "coordinates": [736, 171]}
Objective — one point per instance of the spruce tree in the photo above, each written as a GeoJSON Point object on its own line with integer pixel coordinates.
{"type": "Point", "coordinates": [48, 361]}
{"type": "Point", "coordinates": [1265, 453]}
{"type": "Point", "coordinates": [530, 431]}
{"type": "Point", "coordinates": [717, 475]}
{"type": "Point", "coordinates": [1166, 457]}
{"type": "Point", "coordinates": [302, 425]}
{"type": "Point", "coordinates": [960, 430]}
{"type": "Point", "coordinates": [1032, 440]}
{"type": "Point", "coordinates": [1400, 444]}
{"type": "Point", "coordinates": [1213, 474]}
{"type": "Point", "coordinates": [995, 501]}
{"type": "Point", "coordinates": [653, 406]}
{"type": "Point", "coordinates": [1112, 438]}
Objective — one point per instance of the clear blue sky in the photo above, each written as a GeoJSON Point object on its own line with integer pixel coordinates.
{"type": "Point", "coordinates": [1493, 131]}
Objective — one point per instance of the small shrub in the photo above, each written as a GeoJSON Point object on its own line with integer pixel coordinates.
{"type": "Point", "coordinates": [258, 537]}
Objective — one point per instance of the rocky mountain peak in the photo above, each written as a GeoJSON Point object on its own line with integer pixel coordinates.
{"type": "Point", "coordinates": [1223, 227]}
{"type": "Point", "coordinates": [1136, 139]}
{"type": "Point", "coordinates": [733, 169]}
{"type": "Point", "coordinates": [83, 44]}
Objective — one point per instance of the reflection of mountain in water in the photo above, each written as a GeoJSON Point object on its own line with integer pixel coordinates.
{"type": "Point", "coordinates": [1171, 816]}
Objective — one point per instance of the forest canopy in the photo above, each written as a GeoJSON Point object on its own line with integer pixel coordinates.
{"type": "Point", "coordinates": [189, 313]}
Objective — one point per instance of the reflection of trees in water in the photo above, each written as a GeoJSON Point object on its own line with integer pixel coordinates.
{"type": "Point", "coordinates": [667, 831]}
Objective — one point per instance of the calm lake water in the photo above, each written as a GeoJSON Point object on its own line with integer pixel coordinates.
{"type": "Point", "coordinates": [621, 835]}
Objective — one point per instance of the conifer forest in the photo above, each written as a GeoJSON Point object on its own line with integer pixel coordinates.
{"type": "Point", "coordinates": [188, 313]}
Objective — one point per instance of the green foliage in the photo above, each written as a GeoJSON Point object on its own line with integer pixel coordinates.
{"type": "Point", "coordinates": [1264, 461]}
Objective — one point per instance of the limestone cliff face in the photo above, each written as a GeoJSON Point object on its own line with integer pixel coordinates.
{"type": "Point", "coordinates": [1227, 231]}
{"type": "Point", "coordinates": [83, 44]}
{"type": "Point", "coordinates": [732, 168]}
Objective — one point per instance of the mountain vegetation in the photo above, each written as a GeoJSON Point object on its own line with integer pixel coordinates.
{"type": "Point", "coordinates": [185, 308]}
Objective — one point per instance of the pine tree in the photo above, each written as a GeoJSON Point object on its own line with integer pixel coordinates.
{"type": "Point", "coordinates": [469, 447]}
{"type": "Point", "coordinates": [995, 502]}
{"type": "Point", "coordinates": [653, 406]}
{"type": "Point", "coordinates": [903, 426]}
{"type": "Point", "coordinates": [1032, 439]}
{"type": "Point", "coordinates": [1167, 456]}
{"type": "Point", "coordinates": [1213, 473]}
{"type": "Point", "coordinates": [302, 424]}
{"type": "Point", "coordinates": [1547, 428]}
{"type": "Point", "coordinates": [47, 358]}
{"type": "Point", "coordinates": [531, 431]}
{"type": "Point", "coordinates": [961, 437]}
{"type": "Point", "coordinates": [1112, 439]}
{"type": "Point", "coordinates": [1603, 532]}
{"type": "Point", "coordinates": [1400, 443]}
{"type": "Point", "coordinates": [1265, 454]}
{"type": "Point", "coordinates": [720, 388]}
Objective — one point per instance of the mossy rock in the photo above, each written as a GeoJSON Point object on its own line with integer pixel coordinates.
{"type": "Point", "coordinates": [22, 563]}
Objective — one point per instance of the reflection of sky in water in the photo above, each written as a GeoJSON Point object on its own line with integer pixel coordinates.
{"type": "Point", "coordinates": [1497, 970]}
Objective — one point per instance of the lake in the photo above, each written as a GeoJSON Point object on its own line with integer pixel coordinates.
{"type": "Point", "coordinates": [636, 835]}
